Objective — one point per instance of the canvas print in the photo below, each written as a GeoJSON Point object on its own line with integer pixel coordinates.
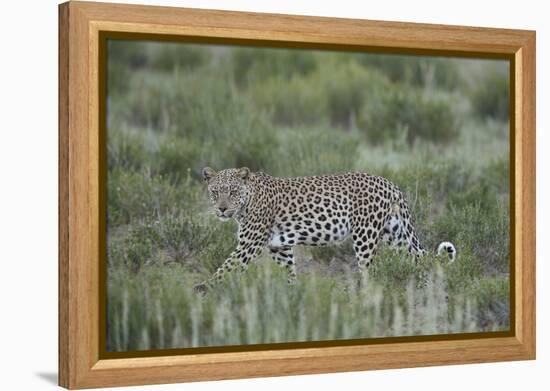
{"type": "Point", "coordinates": [261, 195]}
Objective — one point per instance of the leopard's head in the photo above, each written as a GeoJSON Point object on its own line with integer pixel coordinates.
{"type": "Point", "coordinates": [228, 190]}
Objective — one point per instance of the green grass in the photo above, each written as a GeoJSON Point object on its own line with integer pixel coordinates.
{"type": "Point", "coordinates": [434, 126]}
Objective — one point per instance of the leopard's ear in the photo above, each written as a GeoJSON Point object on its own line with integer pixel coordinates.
{"type": "Point", "coordinates": [208, 173]}
{"type": "Point", "coordinates": [244, 172]}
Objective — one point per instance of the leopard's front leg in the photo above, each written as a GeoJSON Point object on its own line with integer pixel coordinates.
{"type": "Point", "coordinates": [241, 257]}
{"type": "Point", "coordinates": [227, 267]}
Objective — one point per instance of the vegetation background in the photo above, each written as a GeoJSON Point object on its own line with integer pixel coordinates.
{"type": "Point", "coordinates": [437, 127]}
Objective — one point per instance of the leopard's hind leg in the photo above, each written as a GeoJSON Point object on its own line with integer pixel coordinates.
{"type": "Point", "coordinates": [398, 232]}
{"type": "Point", "coordinates": [284, 256]}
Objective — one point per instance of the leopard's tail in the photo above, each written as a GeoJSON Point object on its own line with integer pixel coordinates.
{"type": "Point", "coordinates": [447, 248]}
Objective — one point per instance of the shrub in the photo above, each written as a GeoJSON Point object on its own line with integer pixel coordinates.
{"type": "Point", "coordinates": [118, 78]}
{"type": "Point", "coordinates": [180, 234]}
{"type": "Point", "coordinates": [334, 93]}
{"type": "Point", "coordinates": [150, 108]}
{"type": "Point", "coordinates": [136, 248]}
{"type": "Point", "coordinates": [464, 272]}
{"type": "Point", "coordinates": [491, 96]}
{"type": "Point", "coordinates": [348, 87]}
{"type": "Point", "coordinates": [429, 186]}
{"type": "Point", "coordinates": [126, 150]}
{"type": "Point", "coordinates": [485, 232]}
{"type": "Point", "coordinates": [489, 189]}
{"type": "Point", "coordinates": [497, 176]}
{"type": "Point", "coordinates": [300, 102]}
{"type": "Point", "coordinates": [171, 56]}
{"type": "Point", "coordinates": [123, 57]}
{"type": "Point", "coordinates": [454, 184]}
{"type": "Point", "coordinates": [224, 127]}
{"type": "Point", "coordinates": [126, 57]}
{"type": "Point", "coordinates": [204, 119]}
{"type": "Point", "coordinates": [135, 196]}
{"type": "Point", "coordinates": [417, 71]}
{"type": "Point", "coordinates": [133, 54]}
{"type": "Point", "coordinates": [311, 151]}
{"type": "Point", "coordinates": [422, 115]}
{"type": "Point", "coordinates": [492, 299]}
{"type": "Point", "coordinates": [253, 65]}
{"type": "Point", "coordinates": [178, 158]}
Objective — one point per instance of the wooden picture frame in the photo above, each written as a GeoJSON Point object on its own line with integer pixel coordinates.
{"type": "Point", "coordinates": [81, 25]}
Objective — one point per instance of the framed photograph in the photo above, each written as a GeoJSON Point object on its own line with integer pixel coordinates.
{"type": "Point", "coordinates": [246, 195]}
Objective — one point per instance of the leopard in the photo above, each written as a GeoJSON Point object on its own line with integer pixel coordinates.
{"type": "Point", "coordinates": [279, 213]}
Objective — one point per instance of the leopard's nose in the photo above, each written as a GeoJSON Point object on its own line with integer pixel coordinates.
{"type": "Point", "coordinates": [222, 209]}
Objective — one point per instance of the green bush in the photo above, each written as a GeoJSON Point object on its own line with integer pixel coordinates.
{"type": "Point", "coordinates": [232, 134]}
{"type": "Point", "coordinates": [206, 121]}
{"type": "Point", "coordinates": [491, 96]}
{"type": "Point", "coordinates": [136, 248]}
{"type": "Point", "coordinates": [348, 87]}
{"type": "Point", "coordinates": [334, 93]}
{"type": "Point", "coordinates": [222, 124]}
{"type": "Point", "coordinates": [156, 56]}
{"type": "Point", "coordinates": [302, 151]}
{"type": "Point", "coordinates": [492, 299]}
{"type": "Point", "coordinates": [396, 269]}
{"type": "Point", "coordinates": [452, 184]}
{"type": "Point", "coordinates": [428, 186]}
{"type": "Point", "coordinates": [118, 78]}
{"type": "Point", "coordinates": [417, 71]}
{"type": "Point", "coordinates": [497, 175]}
{"type": "Point", "coordinates": [422, 115]}
{"type": "Point", "coordinates": [149, 109]}
{"type": "Point", "coordinates": [251, 65]}
{"type": "Point", "coordinates": [483, 231]}
{"type": "Point", "coordinates": [126, 150]}
{"type": "Point", "coordinates": [135, 196]}
{"type": "Point", "coordinates": [127, 57]}
{"type": "Point", "coordinates": [180, 234]}
{"type": "Point", "coordinates": [178, 158]}
{"type": "Point", "coordinates": [463, 274]}
{"type": "Point", "coordinates": [300, 102]}
{"type": "Point", "coordinates": [123, 58]}
{"type": "Point", "coordinates": [186, 237]}
{"type": "Point", "coordinates": [132, 54]}
{"type": "Point", "coordinates": [171, 57]}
